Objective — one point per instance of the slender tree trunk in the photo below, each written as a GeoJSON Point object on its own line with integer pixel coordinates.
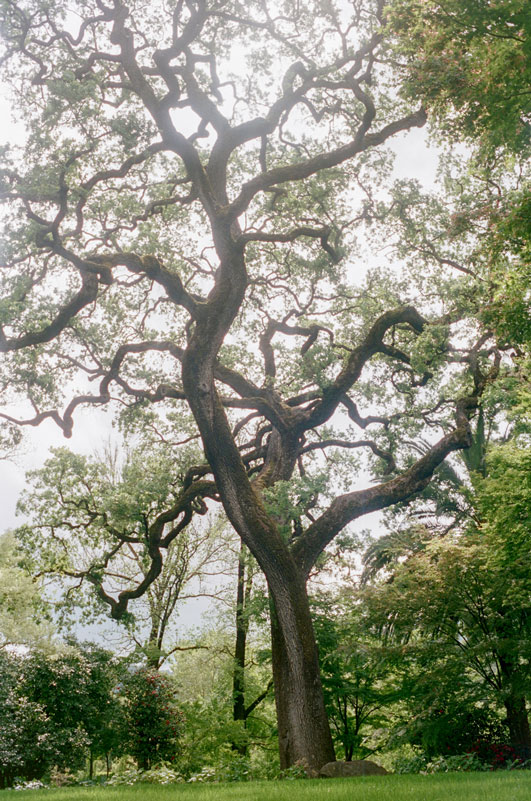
{"type": "Point", "coordinates": [91, 765]}
{"type": "Point", "coordinates": [303, 729]}
{"type": "Point", "coordinates": [153, 643]}
{"type": "Point", "coordinates": [238, 683]}
{"type": "Point", "coordinates": [153, 655]}
{"type": "Point", "coordinates": [518, 724]}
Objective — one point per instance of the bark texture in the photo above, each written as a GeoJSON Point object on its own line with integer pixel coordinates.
{"type": "Point", "coordinates": [303, 729]}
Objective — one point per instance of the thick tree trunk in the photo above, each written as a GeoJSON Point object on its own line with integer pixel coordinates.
{"type": "Point", "coordinates": [303, 729]}
{"type": "Point", "coordinates": [518, 724]}
{"type": "Point", "coordinates": [304, 732]}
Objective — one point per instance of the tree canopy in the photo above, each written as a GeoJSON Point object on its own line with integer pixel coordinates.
{"type": "Point", "coordinates": [469, 59]}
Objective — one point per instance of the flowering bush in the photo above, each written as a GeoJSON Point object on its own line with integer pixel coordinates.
{"type": "Point", "coordinates": [233, 769]}
{"type": "Point", "coordinates": [495, 755]}
{"type": "Point", "coordinates": [31, 741]}
{"type": "Point", "coordinates": [153, 720]}
{"type": "Point", "coordinates": [33, 785]}
{"type": "Point", "coordinates": [205, 775]}
{"type": "Point", "coordinates": [238, 769]}
{"type": "Point", "coordinates": [162, 774]}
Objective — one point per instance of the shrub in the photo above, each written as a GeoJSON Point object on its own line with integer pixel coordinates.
{"type": "Point", "coordinates": [61, 778]}
{"type": "Point", "coordinates": [463, 763]}
{"type": "Point", "coordinates": [294, 772]}
{"type": "Point", "coordinates": [235, 769]}
{"type": "Point", "coordinates": [450, 729]}
{"type": "Point", "coordinates": [410, 764]}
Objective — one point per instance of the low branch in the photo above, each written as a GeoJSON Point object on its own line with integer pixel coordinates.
{"type": "Point", "coordinates": [86, 295]}
{"type": "Point", "coordinates": [348, 507]}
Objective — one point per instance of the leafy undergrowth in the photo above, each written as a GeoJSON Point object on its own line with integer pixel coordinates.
{"type": "Point", "coordinates": [439, 787]}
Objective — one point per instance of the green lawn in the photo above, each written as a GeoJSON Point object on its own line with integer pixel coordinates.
{"type": "Point", "coordinates": [440, 787]}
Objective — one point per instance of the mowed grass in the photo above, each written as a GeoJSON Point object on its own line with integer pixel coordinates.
{"type": "Point", "coordinates": [439, 787]}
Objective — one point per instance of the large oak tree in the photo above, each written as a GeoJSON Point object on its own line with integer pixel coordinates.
{"type": "Point", "coordinates": [180, 248]}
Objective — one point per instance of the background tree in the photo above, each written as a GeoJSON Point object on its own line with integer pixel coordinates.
{"type": "Point", "coordinates": [112, 504]}
{"type": "Point", "coordinates": [460, 605]}
{"type": "Point", "coordinates": [212, 737]}
{"type": "Point", "coordinates": [112, 501]}
{"type": "Point", "coordinates": [357, 677]}
{"type": "Point", "coordinates": [247, 603]}
{"type": "Point", "coordinates": [175, 216]}
{"type": "Point", "coordinates": [24, 613]}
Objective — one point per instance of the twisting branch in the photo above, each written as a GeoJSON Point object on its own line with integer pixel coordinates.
{"type": "Point", "coordinates": [86, 295]}
{"type": "Point", "coordinates": [362, 422]}
{"type": "Point", "coordinates": [346, 508]}
{"type": "Point", "coordinates": [189, 502]}
{"type": "Point", "coordinates": [326, 160]}
{"type": "Point", "coordinates": [322, 234]}
{"type": "Point", "coordinates": [373, 343]}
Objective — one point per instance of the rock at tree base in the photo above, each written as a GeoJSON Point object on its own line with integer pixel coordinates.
{"type": "Point", "coordinates": [358, 767]}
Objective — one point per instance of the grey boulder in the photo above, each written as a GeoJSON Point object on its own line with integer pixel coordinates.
{"type": "Point", "coordinates": [358, 767]}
